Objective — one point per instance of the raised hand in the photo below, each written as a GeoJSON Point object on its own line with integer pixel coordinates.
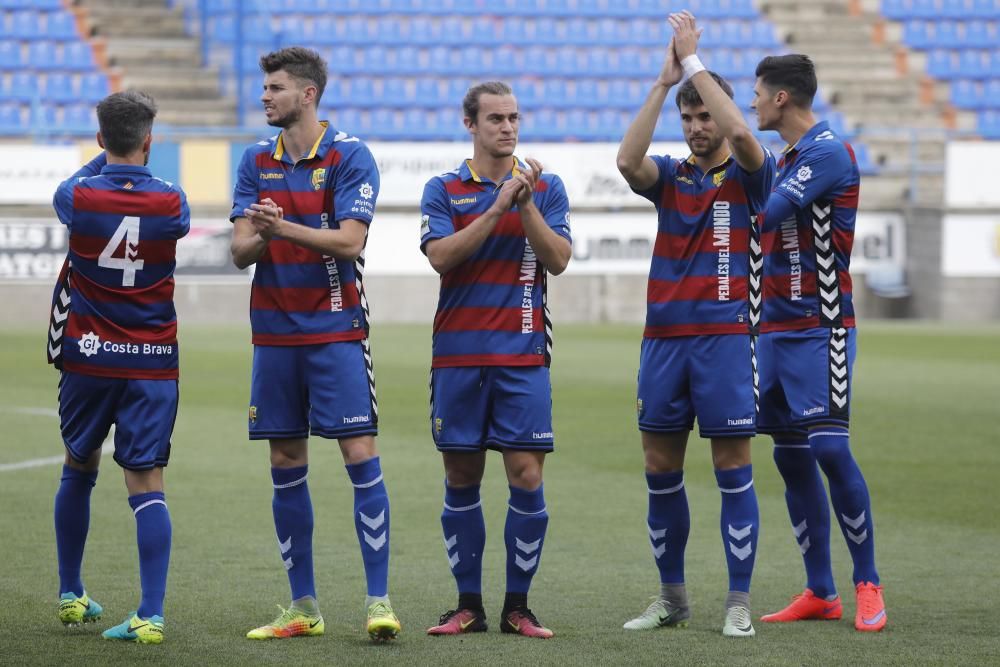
{"type": "Point", "coordinates": [686, 34]}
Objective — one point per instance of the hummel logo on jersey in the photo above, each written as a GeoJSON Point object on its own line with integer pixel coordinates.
{"type": "Point", "coordinates": [825, 135]}
{"type": "Point", "coordinates": [463, 200]}
{"type": "Point", "coordinates": [90, 344]}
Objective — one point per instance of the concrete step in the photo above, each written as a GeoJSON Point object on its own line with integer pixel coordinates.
{"type": "Point", "coordinates": [854, 59]}
{"type": "Point", "coordinates": [193, 83]}
{"type": "Point", "coordinates": [899, 150]}
{"type": "Point", "coordinates": [170, 50]}
{"type": "Point", "coordinates": [879, 115]}
{"type": "Point", "coordinates": [781, 9]}
{"type": "Point", "coordinates": [179, 112]}
{"type": "Point", "coordinates": [148, 24]}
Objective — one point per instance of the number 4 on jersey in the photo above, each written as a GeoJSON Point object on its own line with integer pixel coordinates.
{"type": "Point", "coordinates": [129, 264]}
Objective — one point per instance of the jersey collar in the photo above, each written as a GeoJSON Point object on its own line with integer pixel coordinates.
{"type": "Point", "coordinates": [467, 173]}
{"type": "Point", "coordinates": [318, 148]}
{"type": "Point", "coordinates": [811, 133]}
{"type": "Point", "coordinates": [118, 168]}
{"type": "Point", "coordinates": [692, 164]}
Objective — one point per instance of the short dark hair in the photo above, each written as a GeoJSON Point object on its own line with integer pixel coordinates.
{"type": "Point", "coordinates": [794, 73]}
{"type": "Point", "coordinates": [126, 119]}
{"type": "Point", "coordinates": [470, 103]}
{"type": "Point", "coordinates": [688, 94]}
{"type": "Point", "coordinates": [300, 62]}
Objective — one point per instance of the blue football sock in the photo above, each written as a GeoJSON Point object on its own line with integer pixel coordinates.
{"type": "Point", "coordinates": [524, 535]}
{"type": "Point", "coordinates": [152, 528]}
{"type": "Point", "coordinates": [809, 510]}
{"type": "Point", "coordinates": [740, 521]}
{"type": "Point", "coordinates": [849, 493]}
{"type": "Point", "coordinates": [371, 519]}
{"type": "Point", "coordinates": [464, 537]}
{"type": "Point", "coordinates": [293, 523]}
{"type": "Point", "coordinates": [669, 523]}
{"type": "Point", "coordinates": [72, 517]}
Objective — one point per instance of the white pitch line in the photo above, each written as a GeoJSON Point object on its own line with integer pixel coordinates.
{"type": "Point", "coordinates": [41, 412]}
{"type": "Point", "coordinates": [107, 448]}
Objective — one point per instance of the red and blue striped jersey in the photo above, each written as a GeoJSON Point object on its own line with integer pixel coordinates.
{"type": "Point", "coordinates": [123, 225]}
{"type": "Point", "coordinates": [706, 244]}
{"type": "Point", "coordinates": [492, 307]}
{"type": "Point", "coordinates": [300, 296]}
{"type": "Point", "coordinates": [807, 232]}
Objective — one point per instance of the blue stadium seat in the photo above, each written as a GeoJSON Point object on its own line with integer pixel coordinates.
{"type": "Point", "coordinates": [624, 93]}
{"type": "Point", "coordinates": [924, 9]}
{"type": "Point", "coordinates": [973, 64]}
{"type": "Point", "coordinates": [348, 119]}
{"type": "Point", "coordinates": [591, 8]}
{"type": "Point", "coordinates": [361, 91]}
{"type": "Point", "coordinates": [61, 25]}
{"type": "Point", "coordinates": [980, 34]}
{"type": "Point", "coordinates": [569, 62]}
{"type": "Point", "coordinates": [985, 9]}
{"type": "Point", "coordinates": [668, 129]}
{"type": "Point", "coordinates": [21, 87]}
{"type": "Point", "coordinates": [995, 64]}
{"type": "Point", "coordinates": [414, 126]}
{"type": "Point", "coordinates": [556, 93]}
{"type": "Point", "coordinates": [988, 124]}
{"type": "Point", "coordinates": [77, 56]}
{"type": "Point", "coordinates": [513, 30]}
{"type": "Point", "coordinates": [484, 31]}
{"type": "Point", "coordinates": [991, 93]}
{"type": "Point", "coordinates": [455, 92]}
{"type": "Point", "coordinates": [79, 118]}
{"type": "Point", "coordinates": [423, 30]}
{"type": "Point", "coordinates": [954, 9]}
{"type": "Point", "coordinates": [598, 62]}
{"type": "Point", "coordinates": [452, 31]}
{"type": "Point", "coordinates": [611, 125]}
{"type": "Point", "coordinates": [556, 8]}
{"type": "Point", "coordinates": [94, 86]}
{"type": "Point", "coordinates": [763, 35]}
{"type": "Point", "coordinates": [60, 87]}
{"type": "Point", "coordinates": [11, 57]}
{"type": "Point", "coordinates": [213, 7]}
{"type": "Point", "coordinates": [918, 34]}
{"type": "Point", "coordinates": [542, 125]}
{"type": "Point", "coordinates": [941, 64]}
{"type": "Point", "coordinates": [25, 25]}
{"type": "Point", "coordinates": [508, 61]}
{"type": "Point", "coordinates": [43, 116]}
{"type": "Point", "coordinates": [43, 55]}
{"type": "Point", "coordinates": [966, 94]}
{"type": "Point", "coordinates": [429, 92]}
{"type": "Point", "coordinates": [395, 93]}
{"type": "Point", "coordinates": [948, 35]}
{"type": "Point", "coordinates": [896, 9]}
{"type": "Point", "coordinates": [720, 61]}
{"type": "Point", "coordinates": [586, 94]}
{"type": "Point", "coordinates": [11, 119]}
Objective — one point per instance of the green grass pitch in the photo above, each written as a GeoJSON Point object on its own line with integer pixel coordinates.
{"type": "Point", "coordinates": [925, 430]}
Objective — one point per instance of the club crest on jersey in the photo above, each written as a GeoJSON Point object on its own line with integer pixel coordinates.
{"type": "Point", "coordinates": [317, 178]}
{"type": "Point", "coordinates": [253, 414]}
{"type": "Point", "coordinates": [90, 344]}
{"type": "Point", "coordinates": [718, 178]}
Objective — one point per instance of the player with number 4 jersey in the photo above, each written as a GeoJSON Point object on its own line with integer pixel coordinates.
{"type": "Point", "coordinates": [113, 334]}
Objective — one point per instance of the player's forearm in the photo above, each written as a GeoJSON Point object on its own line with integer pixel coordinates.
{"type": "Point", "coordinates": [730, 120]}
{"type": "Point", "coordinates": [247, 245]}
{"type": "Point", "coordinates": [338, 243]}
{"type": "Point", "coordinates": [446, 253]}
{"type": "Point", "coordinates": [551, 249]}
{"type": "Point", "coordinates": [639, 135]}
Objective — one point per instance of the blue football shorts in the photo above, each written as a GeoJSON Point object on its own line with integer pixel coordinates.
{"type": "Point", "coordinates": [805, 378]}
{"type": "Point", "coordinates": [326, 389]}
{"type": "Point", "coordinates": [491, 407]}
{"type": "Point", "coordinates": [710, 377]}
{"type": "Point", "coordinates": [142, 411]}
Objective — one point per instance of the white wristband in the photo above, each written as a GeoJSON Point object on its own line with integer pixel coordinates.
{"type": "Point", "coordinates": [692, 65]}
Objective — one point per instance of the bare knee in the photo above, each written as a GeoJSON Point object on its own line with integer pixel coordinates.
{"type": "Point", "coordinates": [358, 450]}
{"type": "Point", "coordinates": [730, 453]}
{"type": "Point", "coordinates": [90, 465]}
{"type": "Point", "coordinates": [524, 469]}
{"type": "Point", "coordinates": [289, 453]}
{"type": "Point", "coordinates": [144, 481]}
{"type": "Point", "coordinates": [463, 469]}
{"type": "Point", "coordinates": [664, 452]}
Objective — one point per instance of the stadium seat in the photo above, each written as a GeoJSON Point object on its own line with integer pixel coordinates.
{"type": "Point", "coordinates": [988, 124]}
{"type": "Point", "coordinates": [76, 56]}
{"type": "Point", "coordinates": [452, 31]}
{"type": "Point", "coordinates": [79, 118]}
{"type": "Point", "coordinates": [954, 9]}
{"type": "Point", "coordinates": [60, 87]}
{"type": "Point", "coordinates": [896, 9]}
{"type": "Point", "coordinates": [948, 35]}
{"type": "Point", "coordinates": [60, 25]}
{"type": "Point", "coordinates": [995, 64]}
{"type": "Point", "coordinates": [918, 34]}
{"type": "Point", "coordinates": [973, 64]}
{"type": "Point", "coordinates": [966, 94]}
{"type": "Point", "coordinates": [25, 25]}
{"type": "Point", "coordinates": [985, 9]}
{"type": "Point", "coordinates": [362, 91]}
{"type": "Point", "coordinates": [22, 87]}
{"type": "Point", "coordinates": [94, 86]}
{"type": "Point", "coordinates": [924, 9]}
{"type": "Point", "coordinates": [11, 118]}
{"type": "Point", "coordinates": [423, 31]}
{"type": "Point", "coordinates": [980, 34]}
{"type": "Point", "coordinates": [586, 94]}
{"type": "Point", "coordinates": [44, 55]}
{"type": "Point", "coordinates": [941, 64]}
{"type": "Point", "coordinates": [991, 93]}
{"type": "Point", "coordinates": [11, 57]}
